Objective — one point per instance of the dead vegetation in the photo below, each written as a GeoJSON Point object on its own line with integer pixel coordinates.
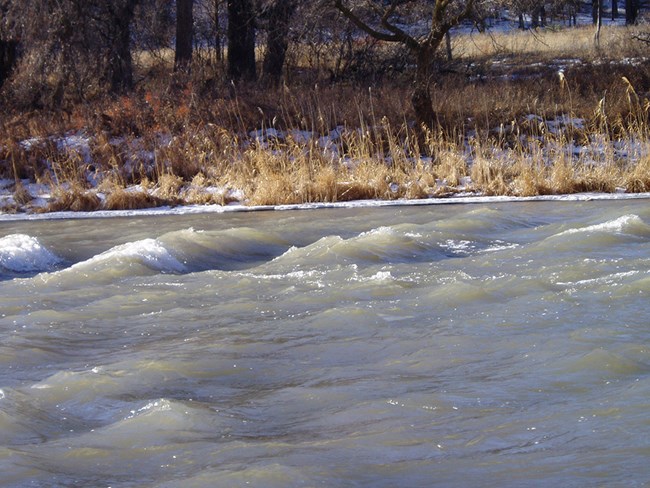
{"type": "Point", "coordinates": [505, 128]}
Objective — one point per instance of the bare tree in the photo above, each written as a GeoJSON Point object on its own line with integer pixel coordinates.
{"type": "Point", "coordinates": [278, 15]}
{"type": "Point", "coordinates": [118, 17]}
{"type": "Point", "coordinates": [631, 11]}
{"type": "Point", "coordinates": [209, 29]}
{"type": "Point", "coordinates": [7, 58]}
{"type": "Point", "coordinates": [153, 25]}
{"type": "Point", "coordinates": [8, 45]}
{"type": "Point", "coordinates": [597, 12]}
{"type": "Point", "coordinates": [184, 35]}
{"type": "Point", "coordinates": [217, 30]}
{"type": "Point", "coordinates": [241, 40]}
{"type": "Point", "coordinates": [379, 19]}
{"type": "Point", "coordinates": [71, 48]}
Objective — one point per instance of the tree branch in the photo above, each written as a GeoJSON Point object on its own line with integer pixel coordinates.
{"type": "Point", "coordinates": [403, 35]}
{"type": "Point", "coordinates": [642, 38]}
{"type": "Point", "coordinates": [466, 13]}
{"type": "Point", "coordinates": [439, 27]}
{"type": "Point", "coordinates": [395, 35]}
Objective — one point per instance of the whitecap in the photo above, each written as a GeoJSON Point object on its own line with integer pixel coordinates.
{"type": "Point", "coordinates": [623, 224]}
{"type": "Point", "coordinates": [459, 247]}
{"type": "Point", "coordinates": [20, 253]}
{"type": "Point", "coordinates": [499, 246]}
{"type": "Point", "coordinates": [381, 276]}
{"type": "Point", "coordinates": [148, 252]}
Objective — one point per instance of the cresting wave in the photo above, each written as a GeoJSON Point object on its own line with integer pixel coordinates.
{"type": "Point", "coordinates": [626, 224]}
{"type": "Point", "coordinates": [20, 253]}
{"type": "Point", "coordinates": [149, 253]}
{"type": "Point", "coordinates": [190, 250]}
{"type": "Point", "coordinates": [176, 252]}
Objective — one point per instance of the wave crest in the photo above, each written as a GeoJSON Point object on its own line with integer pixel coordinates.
{"type": "Point", "coordinates": [150, 253]}
{"type": "Point", "coordinates": [21, 253]}
{"type": "Point", "coordinates": [625, 224]}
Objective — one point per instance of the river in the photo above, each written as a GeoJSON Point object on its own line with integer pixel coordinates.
{"type": "Point", "coordinates": [502, 344]}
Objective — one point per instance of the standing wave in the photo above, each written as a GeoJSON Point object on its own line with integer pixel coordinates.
{"type": "Point", "coordinates": [21, 253]}
{"type": "Point", "coordinates": [626, 224]}
{"type": "Point", "coordinates": [150, 253]}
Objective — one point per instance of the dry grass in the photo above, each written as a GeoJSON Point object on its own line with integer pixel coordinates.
{"type": "Point", "coordinates": [561, 41]}
{"type": "Point", "coordinates": [121, 199]}
{"type": "Point", "coordinates": [509, 134]}
{"type": "Point", "coordinates": [637, 178]}
{"type": "Point", "coordinates": [73, 198]}
{"type": "Point", "coordinates": [21, 195]}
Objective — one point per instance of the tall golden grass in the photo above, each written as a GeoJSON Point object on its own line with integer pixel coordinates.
{"type": "Point", "coordinates": [557, 42]}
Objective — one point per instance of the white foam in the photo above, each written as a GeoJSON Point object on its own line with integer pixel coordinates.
{"type": "Point", "coordinates": [611, 279]}
{"type": "Point", "coordinates": [161, 405]}
{"type": "Point", "coordinates": [499, 246]}
{"type": "Point", "coordinates": [382, 276]}
{"type": "Point", "coordinates": [149, 252]}
{"type": "Point", "coordinates": [616, 226]}
{"type": "Point", "coordinates": [21, 253]}
{"type": "Point", "coordinates": [459, 247]}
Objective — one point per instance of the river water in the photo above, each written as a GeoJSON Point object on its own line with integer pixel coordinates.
{"type": "Point", "coordinates": [456, 345]}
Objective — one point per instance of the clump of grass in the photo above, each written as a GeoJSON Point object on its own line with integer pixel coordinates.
{"type": "Point", "coordinates": [201, 192]}
{"type": "Point", "coordinates": [637, 178]}
{"type": "Point", "coordinates": [73, 198]}
{"type": "Point", "coordinates": [21, 195]}
{"type": "Point", "coordinates": [122, 199]}
{"type": "Point", "coordinates": [168, 186]}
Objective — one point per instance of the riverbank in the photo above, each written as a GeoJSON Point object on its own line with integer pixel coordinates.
{"type": "Point", "coordinates": [234, 208]}
{"type": "Point", "coordinates": [510, 123]}
{"type": "Point", "coordinates": [75, 172]}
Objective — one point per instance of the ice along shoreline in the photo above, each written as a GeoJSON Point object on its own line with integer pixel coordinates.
{"type": "Point", "coordinates": [220, 209]}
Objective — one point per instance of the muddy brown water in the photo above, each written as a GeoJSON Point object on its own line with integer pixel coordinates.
{"type": "Point", "coordinates": [463, 345]}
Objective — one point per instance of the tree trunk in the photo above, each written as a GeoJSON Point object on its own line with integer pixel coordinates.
{"type": "Point", "coordinates": [448, 46]}
{"type": "Point", "coordinates": [184, 35]}
{"type": "Point", "coordinates": [241, 40]}
{"type": "Point", "coordinates": [599, 23]}
{"type": "Point", "coordinates": [421, 97]}
{"type": "Point", "coordinates": [537, 17]}
{"type": "Point", "coordinates": [596, 11]}
{"type": "Point", "coordinates": [614, 9]}
{"type": "Point", "coordinates": [631, 11]}
{"type": "Point", "coordinates": [120, 65]}
{"type": "Point", "coordinates": [217, 30]}
{"type": "Point", "coordinates": [7, 59]}
{"type": "Point", "coordinates": [279, 16]}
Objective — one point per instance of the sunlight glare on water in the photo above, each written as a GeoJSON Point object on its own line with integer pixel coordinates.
{"type": "Point", "coordinates": [457, 345]}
